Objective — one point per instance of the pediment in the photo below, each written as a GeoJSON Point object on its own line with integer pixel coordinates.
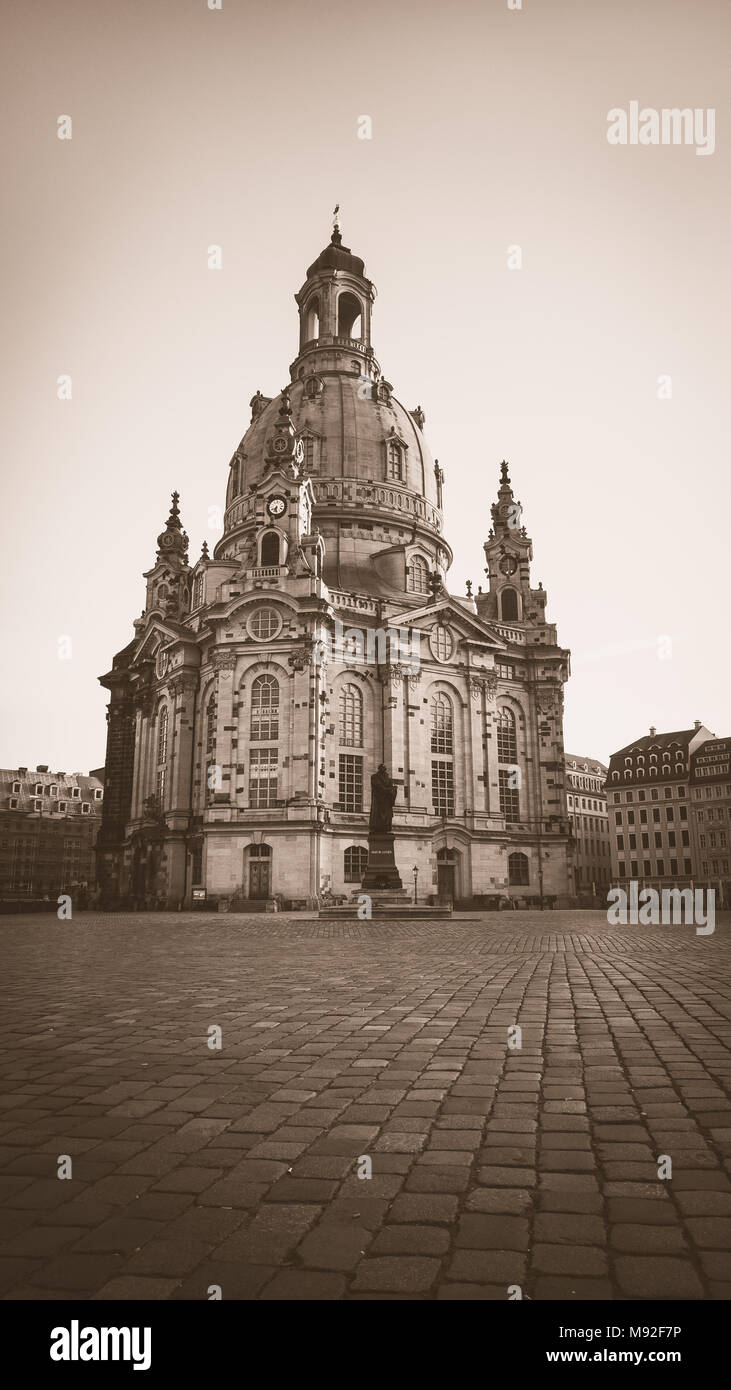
{"type": "Point", "coordinates": [446, 610]}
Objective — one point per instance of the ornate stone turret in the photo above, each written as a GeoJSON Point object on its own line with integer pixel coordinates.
{"type": "Point", "coordinates": [509, 551]}
{"type": "Point", "coordinates": [168, 590]}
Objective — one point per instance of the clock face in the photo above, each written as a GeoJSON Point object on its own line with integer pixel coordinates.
{"type": "Point", "coordinates": [276, 506]}
{"type": "Point", "coordinates": [508, 564]}
{"type": "Point", "coordinates": [280, 445]}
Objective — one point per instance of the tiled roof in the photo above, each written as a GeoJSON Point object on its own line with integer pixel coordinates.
{"type": "Point", "coordinates": [29, 779]}
{"type": "Point", "coordinates": [583, 764]}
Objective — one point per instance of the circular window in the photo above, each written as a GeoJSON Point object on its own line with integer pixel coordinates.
{"type": "Point", "coordinates": [441, 642]}
{"type": "Point", "coordinates": [264, 624]}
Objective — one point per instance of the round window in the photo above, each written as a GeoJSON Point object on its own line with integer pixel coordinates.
{"type": "Point", "coordinates": [264, 624]}
{"type": "Point", "coordinates": [441, 642]}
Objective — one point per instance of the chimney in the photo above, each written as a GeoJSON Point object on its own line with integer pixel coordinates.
{"type": "Point", "coordinates": [653, 731]}
{"type": "Point", "coordinates": [697, 724]}
{"type": "Point", "coordinates": [42, 767]}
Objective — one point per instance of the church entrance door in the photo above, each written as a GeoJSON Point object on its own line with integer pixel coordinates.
{"type": "Point", "coordinates": [260, 872]}
{"type": "Point", "coordinates": [446, 875]}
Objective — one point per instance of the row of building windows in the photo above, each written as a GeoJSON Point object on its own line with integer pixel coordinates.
{"type": "Point", "coordinates": [657, 872]}
{"type": "Point", "coordinates": [658, 840]}
{"type": "Point", "coordinates": [669, 815]}
{"type": "Point", "coordinates": [588, 803]}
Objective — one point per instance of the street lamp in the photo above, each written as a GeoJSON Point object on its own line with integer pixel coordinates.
{"type": "Point", "coordinates": [415, 872]}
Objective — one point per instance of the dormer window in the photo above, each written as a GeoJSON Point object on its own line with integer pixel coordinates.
{"type": "Point", "coordinates": [98, 793]}
{"type": "Point", "coordinates": [15, 788]}
{"type": "Point", "coordinates": [53, 789]}
{"type": "Point", "coordinates": [38, 789]}
{"type": "Point", "coordinates": [76, 791]}
{"type": "Point", "coordinates": [395, 469]}
{"type": "Point", "coordinates": [418, 575]}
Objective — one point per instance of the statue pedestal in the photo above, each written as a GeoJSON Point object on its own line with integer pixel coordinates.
{"type": "Point", "coordinates": [381, 871]}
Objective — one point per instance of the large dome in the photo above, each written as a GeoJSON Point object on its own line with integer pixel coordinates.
{"type": "Point", "coordinates": [377, 488]}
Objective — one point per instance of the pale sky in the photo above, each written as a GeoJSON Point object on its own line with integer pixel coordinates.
{"type": "Point", "coordinates": [239, 128]}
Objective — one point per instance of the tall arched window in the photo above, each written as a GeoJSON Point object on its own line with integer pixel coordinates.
{"type": "Point", "coordinates": [212, 773]}
{"type": "Point", "coordinates": [507, 743]}
{"type": "Point", "coordinates": [351, 716]}
{"type": "Point", "coordinates": [162, 755]}
{"type": "Point", "coordinates": [265, 709]}
{"type": "Point", "coordinates": [198, 588]}
{"type": "Point", "coordinates": [355, 861]}
{"type": "Point", "coordinates": [418, 575]}
{"type": "Point", "coordinates": [442, 748]}
{"type": "Point", "coordinates": [270, 548]}
{"type": "Point", "coordinates": [509, 776]}
{"type": "Point", "coordinates": [509, 606]}
{"type": "Point", "coordinates": [518, 869]}
{"type": "Point", "coordinates": [442, 732]}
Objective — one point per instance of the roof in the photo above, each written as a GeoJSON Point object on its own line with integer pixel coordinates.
{"type": "Point", "coordinates": [584, 764]}
{"type": "Point", "coordinates": [659, 741]}
{"type": "Point", "coordinates": [29, 779]}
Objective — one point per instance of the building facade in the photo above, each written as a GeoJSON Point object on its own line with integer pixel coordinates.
{"type": "Point", "coordinates": [710, 805]}
{"type": "Point", "coordinates": [49, 823]}
{"type": "Point", "coordinates": [265, 683]}
{"type": "Point", "coordinates": [586, 795]}
{"type": "Point", "coordinates": [649, 809]}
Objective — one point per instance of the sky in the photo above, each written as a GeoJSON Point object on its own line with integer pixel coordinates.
{"type": "Point", "coordinates": [239, 128]}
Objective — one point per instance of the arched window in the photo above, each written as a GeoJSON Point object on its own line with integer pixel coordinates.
{"type": "Point", "coordinates": [395, 465]}
{"type": "Point", "coordinates": [351, 717]}
{"type": "Point", "coordinates": [162, 735]}
{"type": "Point", "coordinates": [212, 774]}
{"type": "Point", "coordinates": [162, 755]}
{"type": "Point", "coordinates": [442, 732]}
{"type": "Point", "coordinates": [355, 860]}
{"type": "Point", "coordinates": [418, 575]}
{"type": "Point", "coordinates": [518, 869]}
{"type": "Point", "coordinates": [350, 316]}
{"type": "Point", "coordinates": [442, 747]}
{"type": "Point", "coordinates": [509, 606]}
{"type": "Point", "coordinates": [312, 320]}
{"type": "Point", "coordinates": [509, 776]}
{"type": "Point", "coordinates": [270, 548]}
{"type": "Point", "coordinates": [265, 709]}
{"type": "Point", "coordinates": [198, 589]}
{"type": "Point", "coordinates": [507, 743]}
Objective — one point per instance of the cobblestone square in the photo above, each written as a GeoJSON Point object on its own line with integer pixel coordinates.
{"type": "Point", "coordinates": [350, 1048]}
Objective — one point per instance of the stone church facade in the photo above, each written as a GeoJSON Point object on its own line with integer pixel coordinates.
{"type": "Point", "coordinates": [266, 682]}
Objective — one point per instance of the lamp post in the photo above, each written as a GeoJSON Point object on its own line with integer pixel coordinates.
{"type": "Point", "coordinates": [415, 872]}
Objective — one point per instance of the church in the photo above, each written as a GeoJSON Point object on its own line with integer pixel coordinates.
{"type": "Point", "coordinates": [266, 682]}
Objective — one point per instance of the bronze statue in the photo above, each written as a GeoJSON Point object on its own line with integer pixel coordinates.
{"type": "Point", "coordinates": [383, 796]}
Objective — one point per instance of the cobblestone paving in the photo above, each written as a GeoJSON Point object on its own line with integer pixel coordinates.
{"type": "Point", "coordinates": [238, 1167]}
